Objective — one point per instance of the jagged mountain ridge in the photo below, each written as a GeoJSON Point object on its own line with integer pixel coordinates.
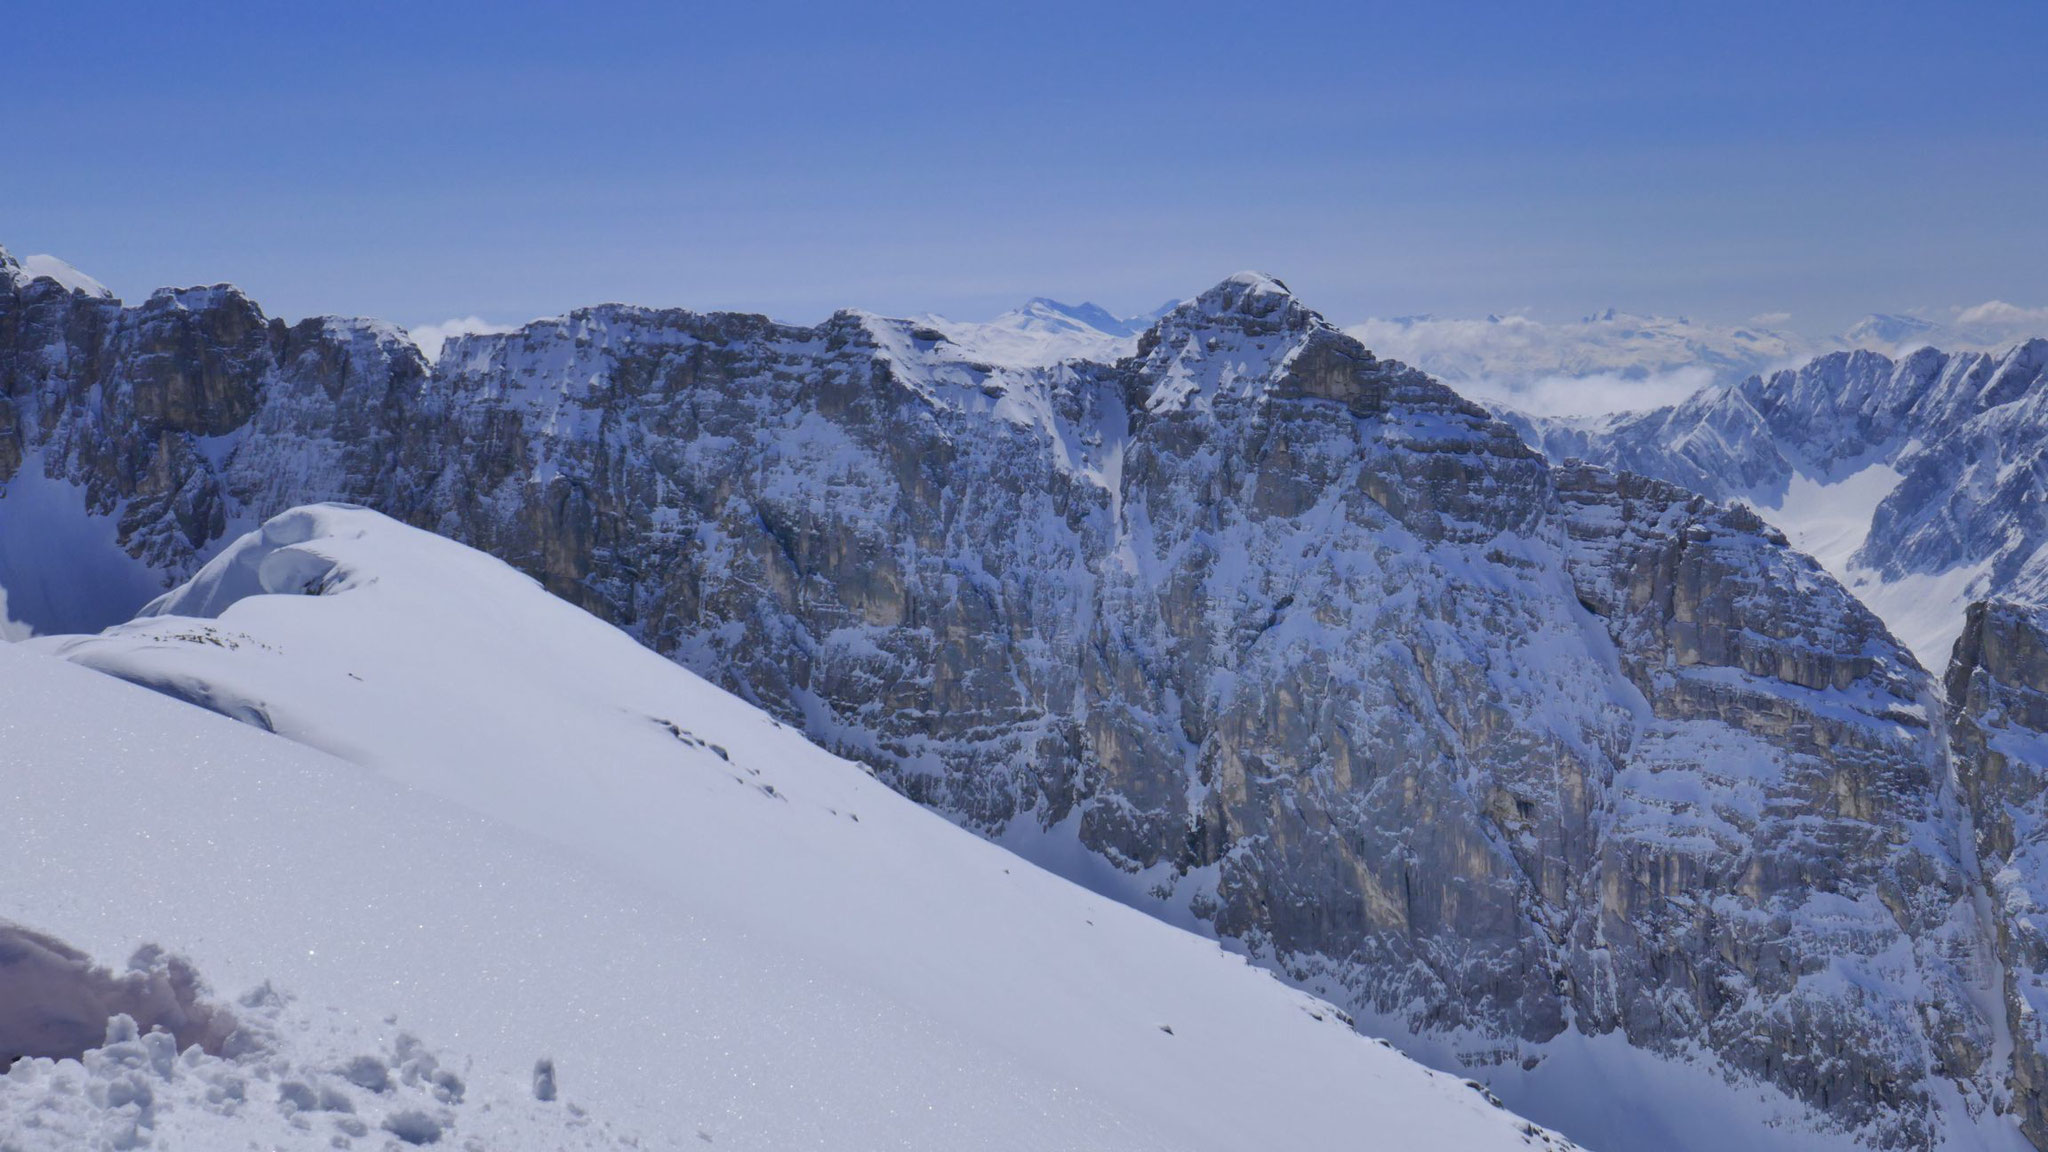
{"type": "Point", "coordinates": [1506, 355]}
{"type": "Point", "coordinates": [1309, 648]}
{"type": "Point", "coordinates": [1921, 481]}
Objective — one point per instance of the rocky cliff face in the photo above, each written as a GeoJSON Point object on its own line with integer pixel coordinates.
{"type": "Point", "coordinates": [1998, 703]}
{"type": "Point", "coordinates": [1302, 644]}
{"type": "Point", "coordinates": [176, 422]}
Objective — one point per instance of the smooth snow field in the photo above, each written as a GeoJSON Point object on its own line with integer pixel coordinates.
{"type": "Point", "coordinates": [491, 829]}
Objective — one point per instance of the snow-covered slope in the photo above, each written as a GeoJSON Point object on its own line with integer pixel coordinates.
{"type": "Point", "coordinates": [1988, 327]}
{"type": "Point", "coordinates": [566, 845]}
{"type": "Point", "coordinates": [43, 264]}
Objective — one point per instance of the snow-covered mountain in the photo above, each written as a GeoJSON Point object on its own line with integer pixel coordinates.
{"type": "Point", "coordinates": [1044, 332]}
{"type": "Point", "coordinates": [566, 847]}
{"type": "Point", "coordinates": [1992, 326]}
{"type": "Point", "coordinates": [1572, 779]}
{"type": "Point", "coordinates": [1921, 482]}
{"type": "Point", "coordinates": [1885, 332]}
{"type": "Point", "coordinates": [45, 265]}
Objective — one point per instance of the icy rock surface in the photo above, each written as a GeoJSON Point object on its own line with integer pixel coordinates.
{"type": "Point", "coordinates": [182, 421]}
{"type": "Point", "coordinates": [1250, 627]}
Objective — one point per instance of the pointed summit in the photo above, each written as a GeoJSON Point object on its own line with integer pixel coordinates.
{"type": "Point", "coordinates": [1253, 293]}
{"type": "Point", "coordinates": [1228, 341]}
{"type": "Point", "coordinates": [1887, 332]}
{"type": "Point", "coordinates": [1252, 297]}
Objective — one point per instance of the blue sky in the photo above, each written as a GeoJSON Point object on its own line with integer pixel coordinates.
{"type": "Point", "coordinates": [418, 162]}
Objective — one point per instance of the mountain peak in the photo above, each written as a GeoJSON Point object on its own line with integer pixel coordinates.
{"type": "Point", "coordinates": [1256, 283]}
{"type": "Point", "coordinates": [42, 265]}
{"type": "Point", "coordinates": [1890, 331]}
{"type": "Point", "coordinates": [1246, 293]}
{"type": "Point", "coordinates": [1044, 312]}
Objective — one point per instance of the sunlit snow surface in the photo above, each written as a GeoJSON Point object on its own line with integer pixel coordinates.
{"type": "Point", "coordinates": [1829, 522]}
{"type": "Point", "coordinates": [568, 846]}
{"type": "Point", "coordinates": [43, 264]}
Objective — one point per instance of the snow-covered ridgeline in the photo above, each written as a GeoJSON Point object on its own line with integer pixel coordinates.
{"type": "Point", "coordinates": [523, 834]}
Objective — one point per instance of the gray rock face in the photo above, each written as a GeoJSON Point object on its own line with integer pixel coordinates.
{"type": "Point", "coordinates": [178, 420]}
{"type": "Point", "coordinates": [1998, 704]}
{"type": "Point", "coordinates": [1759, 844]}
{"type": "Point", "coordinates": [1311, 648]}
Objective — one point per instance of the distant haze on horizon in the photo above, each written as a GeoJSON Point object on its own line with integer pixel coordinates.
{"type": "Point", "coordinates": [1809, 163]}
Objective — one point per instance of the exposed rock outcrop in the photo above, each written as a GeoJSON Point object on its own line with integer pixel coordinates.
{"type": "Point", "coordinates": [1998, 705]}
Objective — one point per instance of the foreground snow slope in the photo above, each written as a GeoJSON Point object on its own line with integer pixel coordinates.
{"type": "Point", "coordinates": [712, 925]}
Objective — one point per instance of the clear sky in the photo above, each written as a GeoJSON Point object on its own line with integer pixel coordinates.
{"type": "Point", "coordinates": [420, 161]}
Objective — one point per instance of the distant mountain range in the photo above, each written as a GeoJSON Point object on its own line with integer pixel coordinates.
{"type": "Point", "coordinates": [1045, 331]}
{"type": "Point", "coordinates": [1615, 360]}
{"type": "Point", "coordinates": [1610, 361]}
{"type": "Point", "coordinates": [1517, 349]}
{"type": "Point", "coordinates": [1919, 480]}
